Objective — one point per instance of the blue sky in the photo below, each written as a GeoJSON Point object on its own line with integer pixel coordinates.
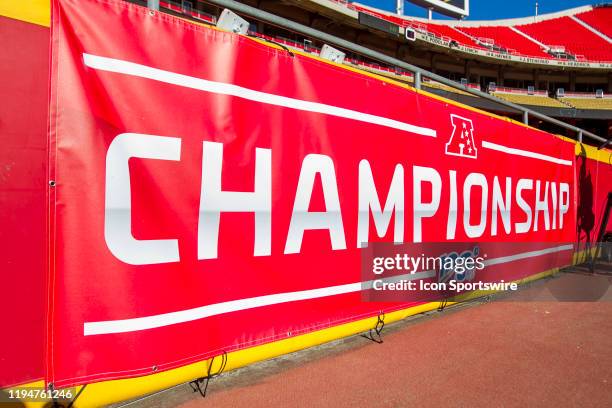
{"type": "Point", "coordinates": [491, 9]}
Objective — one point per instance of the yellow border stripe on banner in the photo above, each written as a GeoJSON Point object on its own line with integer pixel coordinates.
{"type": "Point", "coordinates": [32, 11]}
{"type": "Point", "coordinates": [107, 392]}
{"type": "Point", "coordinates": [603, 155]}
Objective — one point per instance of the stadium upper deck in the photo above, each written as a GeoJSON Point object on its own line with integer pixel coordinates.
{"type": "Point", "coordinates": [531, 40]}
{"type": "Point", "coordinates": [560, 76]}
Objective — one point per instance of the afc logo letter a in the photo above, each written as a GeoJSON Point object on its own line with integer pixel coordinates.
{"type": "Point", "coordinates": [461, 142]}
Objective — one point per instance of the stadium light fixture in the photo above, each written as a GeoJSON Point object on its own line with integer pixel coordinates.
{"type": "Point", "coordinates": [230, 21]}
{"type": "Point", "coordinates": [330, 53]}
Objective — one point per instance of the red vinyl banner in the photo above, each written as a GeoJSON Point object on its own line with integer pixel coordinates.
{"type": "Point", "coordinates": [213, 193]}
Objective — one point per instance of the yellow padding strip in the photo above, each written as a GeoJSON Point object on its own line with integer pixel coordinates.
{"type": "Point", "coordinates": [112, 391]}
{"type": "Point", "coordinates": [31, 11]}
{"type": "Point", "coordinates": [107, 392]}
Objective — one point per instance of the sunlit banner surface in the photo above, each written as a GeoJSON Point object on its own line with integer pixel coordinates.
{"type": "Point", "coordinates": [213, 193]}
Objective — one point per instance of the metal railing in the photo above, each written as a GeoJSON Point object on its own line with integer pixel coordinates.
{"type": "Point", "coordinates": [293, 26]}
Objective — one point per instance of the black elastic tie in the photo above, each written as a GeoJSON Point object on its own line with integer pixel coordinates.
{"type": "Point", "coordinates": [196, 385]}
{"type": "Point", "coordinates": [78, 394]}
{"type": "Point", "coordinates": [443, 304]}
{"type": "Point", "coordinates": [380, 324]}
{"type": "Point", "coordinates": [283, 46]}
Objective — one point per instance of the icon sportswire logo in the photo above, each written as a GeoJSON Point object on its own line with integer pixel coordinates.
{"type": "Point", "coordinates": [461, 142]}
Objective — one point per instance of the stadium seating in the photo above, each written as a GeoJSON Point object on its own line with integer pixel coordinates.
{"type": "Point", "coordinates": [501, 35]}
{"type": "Point", "coordinates": [589, 103]}
{"type": "Point", "coordinates": [577, 40]}
{"type": "Point", "coordinates": [533, 100]}
{"type": "Point", "coordinates": [448, 32]}
{"type": "Point", "coordinates": [442, 31]}
{"type": "Point", "coordinates": [600, 18]}
{"type": "Point", "coordinates": [178, 8]}
{"type": "Point", "coordinates": [394, 19]}
{"type": "Point", "coordinates": [437, 85]}
{"type": "Point", "coordinates": [508, 39]}
{"type": "Point", "coordinates": [566, 32]}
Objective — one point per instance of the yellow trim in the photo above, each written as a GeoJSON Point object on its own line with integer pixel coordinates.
{"type": "Point", "coordinates": [583, 255]}
{"type": "Point", "coordinates": [31, 11]}
{"type": "Point", "coordinates": [107, 392]}
{"type": "Point", "coordinates": [567, 139]}
{"type": "Point", "coordinates": [590, 152]}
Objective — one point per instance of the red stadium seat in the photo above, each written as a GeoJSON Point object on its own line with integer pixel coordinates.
{"type": "Point", "coordinates": [567, 32]}
{"type": "Point", "coordinates": [600, 18]}
{"type": "Point", "coordinates": [507, 38]}
{"type": "Point", "coordinates": [449, 32]}
{"type": "Point", "coordinates": [578, 41]}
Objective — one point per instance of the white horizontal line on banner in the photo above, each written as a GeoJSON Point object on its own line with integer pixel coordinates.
{"type": "Point", "coordinates": [143, 71]}
{"type": "Point", "coordinates": [182, 316]}
{"type": "Point", "coordinates": [530, 254]}
{"type": "Point", "coordinates": [525, 153]}
{"type": "Point", "coordinates": [166, 319]}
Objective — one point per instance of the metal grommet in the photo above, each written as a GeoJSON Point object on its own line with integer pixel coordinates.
{"type": "Point", "coordinates": [151, 12]}
{"type": "Point", "coordinates": [154, 368]}
{"type": "Point", "coordinates": [52, 183]}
